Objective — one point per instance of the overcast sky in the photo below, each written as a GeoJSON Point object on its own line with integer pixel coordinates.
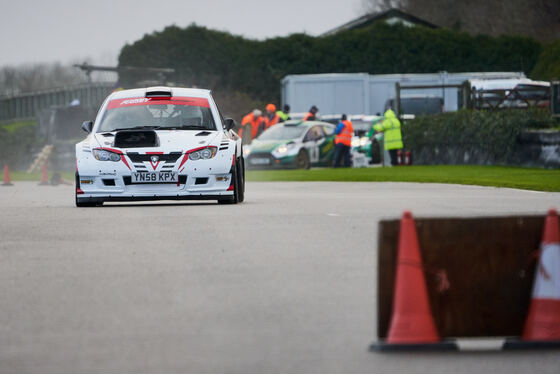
{"type": "Point", "coordinates": [72, 30]}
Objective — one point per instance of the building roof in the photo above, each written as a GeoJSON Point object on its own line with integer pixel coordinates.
{"type": "Point", "coordinates": [391, 16]}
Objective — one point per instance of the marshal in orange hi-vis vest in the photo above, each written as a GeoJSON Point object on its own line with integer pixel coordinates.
{"type": "Point", "coordinates": [345, 136]}
{"type": "Point", "coordinates": [255, 123]}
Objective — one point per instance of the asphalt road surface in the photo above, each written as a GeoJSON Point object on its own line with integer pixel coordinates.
{"type": "Point", "coordinates": [284, 283]}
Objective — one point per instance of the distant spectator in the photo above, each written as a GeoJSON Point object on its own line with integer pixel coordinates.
{"type": "Point", "coordinates": [391, 126]}
{"type": "Point", "coordinates": [284, 114]}
{"type": "Point", "coordinates": [312, 114]}
{"type": "Point", "coordinates": [343, 142]}
{"type": "Point", "coordinates": [256, 123]}
{"type": "Point", "coordinates": [271, 117]}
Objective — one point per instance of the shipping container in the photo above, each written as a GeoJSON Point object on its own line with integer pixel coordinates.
{"type": "Point", "coordinates": [362, 93]}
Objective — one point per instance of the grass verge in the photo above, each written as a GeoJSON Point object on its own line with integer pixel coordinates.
{"type": "Point", "coordinates": [12, 127]}
{"type": "Point", "coordinates": [497, 176]}
{"type": "Point", "coordinates": [21, 176]}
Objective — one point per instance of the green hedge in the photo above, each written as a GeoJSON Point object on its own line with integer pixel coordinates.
{"type": "Point", "coordinates": [17, 142]}
{"type": "Point", "coordinates": [219, 60]}
{"type": "Point", "coordinates": [548, 65]}
{"type": "Point", "coordinates": [471, 136]}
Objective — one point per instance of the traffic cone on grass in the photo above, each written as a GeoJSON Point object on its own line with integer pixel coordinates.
{"type": "Point", "coordinates": [542, 326]}
{"type": "Point", "coordinates": [7, 179]}
{"type": "Point", "coordinates": [412, 325]}
{"type": "Point", "coordinates": [44, 176]}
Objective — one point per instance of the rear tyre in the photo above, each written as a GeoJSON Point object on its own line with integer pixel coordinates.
{"type": "Point", "coordinates": [375, 152]}
{"type": "Point", "coordinates": [302, 160]}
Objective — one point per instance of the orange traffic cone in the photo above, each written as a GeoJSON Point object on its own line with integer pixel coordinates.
{"type": "Point", "coordinates": [542, 326]}
{"type": "Point", "coordinates": [412, 325]}
{"type": "Point", "coordinates": [44, 176]}
{"type": "Point", "coordinates": [7, 179]}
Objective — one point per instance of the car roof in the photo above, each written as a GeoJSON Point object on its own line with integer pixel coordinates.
{"type": "Point", "coordinates": [501, 84]}
{"type": "Point", "coordinates": [305, 123]}
{"type": "Point", "coordinates": [175, 91]}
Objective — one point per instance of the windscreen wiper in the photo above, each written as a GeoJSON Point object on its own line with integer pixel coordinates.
{"type": "Point", "coordinates": [138, 128]}
{"type": "Point", "coordinates": [184, 127]}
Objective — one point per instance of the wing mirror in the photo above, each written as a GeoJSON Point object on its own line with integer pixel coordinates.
{"type": "Point", "coordinates": [87, 126]}
{"type": "Point", "coordinates": [229, 123]}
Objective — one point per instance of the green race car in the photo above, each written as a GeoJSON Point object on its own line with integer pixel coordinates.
{"type": "Point", "coordinates": [292, 144]}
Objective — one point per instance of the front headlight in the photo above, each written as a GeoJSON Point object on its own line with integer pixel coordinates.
{"type": "Point", "coordinates": [283, 148]}
{"type": "Point", "coordinates": [363, 140]}
{"type": "Point", "coordinates": [355, 142]}
{"type": "Point", "coordinates": [104, 155]}
{"type": "Point", "coordinates": [203, 154]}
{"type": "Point", "coordinates": [246, 151]}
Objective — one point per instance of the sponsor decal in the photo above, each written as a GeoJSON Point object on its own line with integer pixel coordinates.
{"type": "Point", "coordinates": [134, 101]}
{"type": "Point", "coordinates": [139, 101]}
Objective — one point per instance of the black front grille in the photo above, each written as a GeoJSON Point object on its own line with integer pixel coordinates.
{"type": "Point", "coordinates": [169, 157]}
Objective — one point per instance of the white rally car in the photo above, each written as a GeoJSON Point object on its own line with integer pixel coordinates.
{"type": "Point", "coordinates": [159, 143]}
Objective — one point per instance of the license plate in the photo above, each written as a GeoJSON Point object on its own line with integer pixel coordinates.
{"type": "Point", "coordinates": [151, 177]}
{"type": "Point", "coordinates": [260, 161]}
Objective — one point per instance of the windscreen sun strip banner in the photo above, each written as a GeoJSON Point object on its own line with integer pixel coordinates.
{"type": "Point", "coordinates": [143, 101]}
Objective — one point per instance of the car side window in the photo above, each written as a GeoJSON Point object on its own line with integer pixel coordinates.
{"type": "Point", "coordinates": [328, 130]}
{"type": "Point", "coordinates": [315, 133]}
{"type": "Point", "coordinates": [220, 114]}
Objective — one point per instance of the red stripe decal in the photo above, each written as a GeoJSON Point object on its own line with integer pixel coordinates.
{"type": "Point", "coordinates": [119, 152]}
{"type": "Point", "coordinates": [126, 163]}
{"type": "Point", "coordinates": [185, 158]}
{"type": "Point", "coordinates": [195, 149]}
{"type": "Point", "coordinates": [142, 101]}
{"type": "Point", "coordinates": [151, 163]}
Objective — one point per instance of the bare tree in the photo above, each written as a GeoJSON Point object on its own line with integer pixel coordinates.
{"type": "Point", "coordinates": [539, 19]}
{"type": "Point", "coordinates": [374, 6]}
{"type": "Point", "coordinates": [34, 77]}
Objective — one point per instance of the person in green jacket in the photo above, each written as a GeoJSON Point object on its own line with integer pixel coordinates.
{"type": "Point", "coordinates": [284, 114]}
{"type": "Point", "coordinates": [391, 126]}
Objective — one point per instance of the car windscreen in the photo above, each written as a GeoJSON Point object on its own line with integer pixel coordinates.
{"type": "Point", "coordinates": [529, 91]}
{"type": "Point", "coordinates": [282, 132]}
{"type": "Point", "coordinates": [362, 126]}
{"type": "Point", "coordinates": [182, 113]}
{"type": "Point", "coordinates": [421, 105]}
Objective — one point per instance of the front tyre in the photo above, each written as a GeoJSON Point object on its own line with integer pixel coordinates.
{"type": "Point", "coordinates": [241, 179]}
{"type": "Point", "coordinates": [83, 204]}
{"type": "Point", "coordinates": [235, 183]}
{"type": "Point", "coordinates": [302, 160]}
